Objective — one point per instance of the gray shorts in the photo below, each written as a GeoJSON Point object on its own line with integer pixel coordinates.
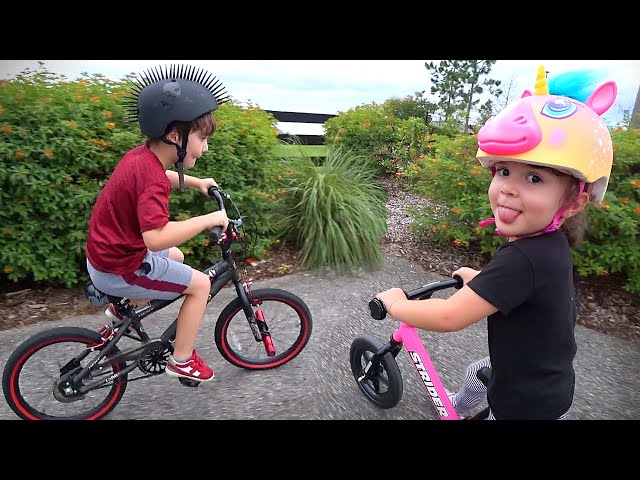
{"type": "Point", "coordinates": [159, 277]}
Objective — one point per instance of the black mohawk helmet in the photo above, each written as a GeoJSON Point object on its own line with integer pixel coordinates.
{"type": "Point", "coordinates": [157, 97]}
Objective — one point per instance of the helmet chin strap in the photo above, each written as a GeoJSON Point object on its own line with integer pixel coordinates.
{"type": "Point", "coordinates": [181, 150]}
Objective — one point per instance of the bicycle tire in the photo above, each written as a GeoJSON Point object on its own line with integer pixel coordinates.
{"type": "Point", "coordinates": [17, 378]}
{"type": "Point", "coordinates": [236, 342]}
{"type": "Point", "coordinates": [388, 373]}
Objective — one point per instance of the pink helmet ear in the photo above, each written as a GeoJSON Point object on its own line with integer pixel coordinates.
{"type": "Point", "coordinates": [526, 93]}
{"type": "Point", "coordinates": [602, 97]}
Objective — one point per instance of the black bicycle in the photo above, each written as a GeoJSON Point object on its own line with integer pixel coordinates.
{"type": "Point", "coordinates": [76, 373]}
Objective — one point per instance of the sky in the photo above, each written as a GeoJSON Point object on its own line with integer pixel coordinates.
{"type": "Point", "coordinates": [334, 86]}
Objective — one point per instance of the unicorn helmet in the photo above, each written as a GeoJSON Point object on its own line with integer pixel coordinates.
{"type": "Point", "coordinates": [554, 131]}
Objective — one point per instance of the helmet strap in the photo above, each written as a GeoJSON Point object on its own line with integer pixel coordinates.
{"type": "Point", "coordinates": [181, 150]}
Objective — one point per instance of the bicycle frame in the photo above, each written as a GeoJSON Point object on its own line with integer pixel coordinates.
{"type": "Point", "coordinates": [408, 336]}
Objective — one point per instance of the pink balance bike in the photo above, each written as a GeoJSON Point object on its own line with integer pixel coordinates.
{"type": "Point", "coordinates": [376, 370]}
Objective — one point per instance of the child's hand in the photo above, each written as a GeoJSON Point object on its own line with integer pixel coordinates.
{"type": "Point", "coordinates": [390, 297]}
{"type": "Point", "coordinates": [205, 183]}
{"type": "Point", "coordinates": [466, 273]}
{"type": "Point", "coordinates": [217, 219]}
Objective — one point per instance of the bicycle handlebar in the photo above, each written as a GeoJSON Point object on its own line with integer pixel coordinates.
{"type": "Point", "coordinates": [216, 232]}
{"type": "Point", "coordinates": [378, 310]}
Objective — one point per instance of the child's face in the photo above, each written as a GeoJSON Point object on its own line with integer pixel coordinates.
{"type": "Point", "coordinates": [196, 146]}
{"type": "Point", "coordinates": [524, 198]}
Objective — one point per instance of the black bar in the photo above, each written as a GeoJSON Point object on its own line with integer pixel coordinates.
{"type": "Point", "coordinates": [303, 139]}
{"type": "Point", "coordinates": [299, 117]}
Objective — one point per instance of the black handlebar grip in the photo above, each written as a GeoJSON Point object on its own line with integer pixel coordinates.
{"type": "Point", "coordinates": [377, 309]}
{"type": "Point", "coordinates": [215, 234]}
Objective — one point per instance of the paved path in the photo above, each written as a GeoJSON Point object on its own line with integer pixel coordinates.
{"type": "Point", "coordinates": [319, 385]}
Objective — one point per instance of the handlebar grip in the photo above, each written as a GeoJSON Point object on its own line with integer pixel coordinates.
{"type": "Point", "coordinates": [215, 234]}
{"type": "Point", "coordinates": [377, 309]}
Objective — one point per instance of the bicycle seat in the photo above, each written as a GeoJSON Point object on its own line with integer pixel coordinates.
{"type": "Point", "coordinates": [97, 297]}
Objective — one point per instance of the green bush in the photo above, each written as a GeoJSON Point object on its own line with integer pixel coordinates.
{"type": "Point", "coordinates": [374, 131]}
{"type": "Point", "coordinates": [335, 212]}
{"type": "Point", "coordinates": [612, 236]}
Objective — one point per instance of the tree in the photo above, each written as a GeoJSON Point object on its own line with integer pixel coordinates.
{"type": "Point", "coordinates": [446, 85]}
{"type": "Point", "coordinates": [635, 116]}
{"type": "Point", "coordinates": [458, 85]}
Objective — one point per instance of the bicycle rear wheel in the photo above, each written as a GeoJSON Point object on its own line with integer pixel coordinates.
{"type": "Point", "coordinates": [384, 386]}
{"type": "Point", "coordinates": [287, 318]}
{"type": "Point", "coordinates": [32, 373]}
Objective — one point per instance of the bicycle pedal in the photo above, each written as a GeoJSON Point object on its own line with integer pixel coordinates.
{"type": "Point", "coordinates": [187, 382]}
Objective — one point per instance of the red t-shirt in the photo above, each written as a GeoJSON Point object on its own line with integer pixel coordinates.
{"type": "Point", "coordinates": [135, 199]}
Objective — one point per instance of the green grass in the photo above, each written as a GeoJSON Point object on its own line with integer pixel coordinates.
{"type": "Point", "coordinates": [288, 151]}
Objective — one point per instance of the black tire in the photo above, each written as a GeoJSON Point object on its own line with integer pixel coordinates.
{"type": "Point", "coordinates": [289, 321]}
{"type": "Point", "coordinates": [384, 387]}
{"type": "Point", "coordinates": [33, 368]}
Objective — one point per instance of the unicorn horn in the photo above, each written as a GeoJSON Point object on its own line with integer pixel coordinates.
{"type": "Point", "coordinates": [541, 82]}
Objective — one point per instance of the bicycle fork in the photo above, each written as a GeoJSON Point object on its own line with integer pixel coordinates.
{"type": "Point", "coordinates": [372, 366]}
{"type": "Point", "coordinates": [256, 319]}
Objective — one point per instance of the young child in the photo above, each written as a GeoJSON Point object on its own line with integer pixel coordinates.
{"type": "Point", "coordinates": [131, 246]}
{"type": "Point", "coordinates": [549, 155]}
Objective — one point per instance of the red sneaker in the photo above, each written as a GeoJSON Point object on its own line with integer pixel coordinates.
{"type": "Point", "coordinates": [193, 369]}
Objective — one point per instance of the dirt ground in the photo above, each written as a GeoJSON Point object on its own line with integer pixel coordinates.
{"type": "Point", "coordinates": [603, 304]}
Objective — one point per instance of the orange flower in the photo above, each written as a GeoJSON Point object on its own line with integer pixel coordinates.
{"type": "Point", "coordinates": [79, 96]}
{"type": "Point", "coordinates": [603, 272]}
{"type": "Point", "coordinates": [111, 125]}
{"type": "Point", "coordinates": [456, 210]}
{"type": "Point", "coordinates": [460, 184]}
{"type": "Point", "coordinates": [1, 109]}
{"type": "Point", "coordinates": [108, 114]}
{"type": "Point", "coordinates": [48, 153]}
{"type": "Point", "coordinates": [635, 183]}
{"type": "Point", "coordinates": [94, 99]}
{"type": "Point", "coordinates": [624, 201]}
{"type": "Point", "coordinates": [637, 210]}
{"type": "Point", "coordinates": [444, 226]}
{"type": "Point", "coordinates": [435, 228]}
{"type": "Point", "coordinates": [20, 154]}
{"type": "Point", "coordinates": [7, 270]}
{"type": "Point", "coordinates": [6, 129]}
{"type": "Point", "coordinates": [272, 196]}
{"type": "Point", "coordinates": [457, 242]}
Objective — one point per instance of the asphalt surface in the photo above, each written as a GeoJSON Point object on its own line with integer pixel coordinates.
{"type": "Point", "coordinates": [318, 384]}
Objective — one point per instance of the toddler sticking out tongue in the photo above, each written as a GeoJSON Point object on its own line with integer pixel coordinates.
{"type": "Point", "coordinates": [507, 215]}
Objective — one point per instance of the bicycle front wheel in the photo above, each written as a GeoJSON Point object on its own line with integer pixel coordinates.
{"type": "Point", "coordinates": [30, 381]}
{"type": "Point", "coordinates": [287, 319]}
{"type": "Point", "coordinates": [384, 385]}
